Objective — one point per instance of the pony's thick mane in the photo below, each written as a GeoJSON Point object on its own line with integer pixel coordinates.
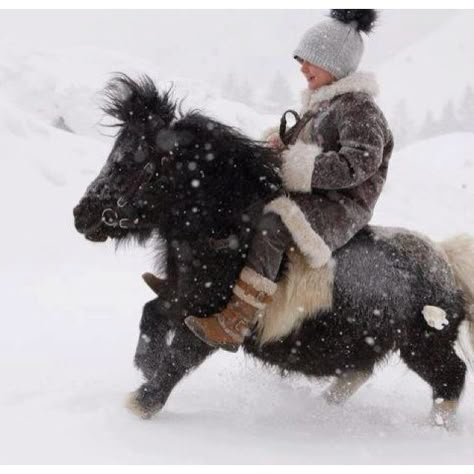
{"type": "Point", "coordinates": [129, 101]}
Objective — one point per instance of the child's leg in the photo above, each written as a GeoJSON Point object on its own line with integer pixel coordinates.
{"type": "Point", "coordinates": [253, 290]}
{"type": "Point", "coordinates": [268, 246]}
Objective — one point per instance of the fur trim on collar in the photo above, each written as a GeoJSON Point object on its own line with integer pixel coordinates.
{"type": "Point", "coordinates": [357, 82]}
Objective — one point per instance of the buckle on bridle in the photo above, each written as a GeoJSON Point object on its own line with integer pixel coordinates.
{"type": "Point", "coordinates": [121, 202]}
{"type": "Point", "coordinates": [109, 217]}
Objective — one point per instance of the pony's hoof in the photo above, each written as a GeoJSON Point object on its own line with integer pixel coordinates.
{"type": "Point", "coordinates": [446, 423]}
{"type": "Point", "coordinates": [332, 398]}
{"type": "Point", "coordinates": [135, 403]}
{"type": "Point", "coordinates": [443, 414]}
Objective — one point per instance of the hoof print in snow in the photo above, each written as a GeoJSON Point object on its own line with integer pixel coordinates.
{"type": "Point", "coordinates": [435, 317]}
{"type": "Point", "coordinates": [136, 403]}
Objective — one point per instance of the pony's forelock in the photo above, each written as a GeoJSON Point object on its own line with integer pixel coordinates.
{"type": "Point", "coordinates": [133, 101]}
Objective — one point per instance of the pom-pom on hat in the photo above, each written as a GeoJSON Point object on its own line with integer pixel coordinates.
{"type": "Point", "coordinates": [336, 44]}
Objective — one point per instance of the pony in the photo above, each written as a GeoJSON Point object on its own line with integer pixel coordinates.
{"type": "Point", "coordinates": [194, 188]}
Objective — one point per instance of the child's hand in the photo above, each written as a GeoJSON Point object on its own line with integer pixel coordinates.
{"type": "Point", "coordinates": [274, 141]}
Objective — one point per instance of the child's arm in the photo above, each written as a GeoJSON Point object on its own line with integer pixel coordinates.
{"type": "Point", "coordinates": [360, 127]}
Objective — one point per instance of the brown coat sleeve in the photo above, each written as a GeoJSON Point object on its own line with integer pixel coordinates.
{"type": "Point", "coordinates": [360, 127]}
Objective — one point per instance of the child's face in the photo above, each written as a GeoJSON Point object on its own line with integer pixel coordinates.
{"type": "Point", "coordinates": [315, 76]}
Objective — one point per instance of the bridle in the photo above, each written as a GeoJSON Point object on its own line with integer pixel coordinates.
{"type": "Point", "coordinates": [111, 215]}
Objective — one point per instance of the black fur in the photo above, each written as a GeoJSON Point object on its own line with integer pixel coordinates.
{"type": "Point", "coordinates": [134, 102]}
{"type": "Point", "coordinates": [208, 191]}
{"type": "Point", "coordinates": [365, 20]}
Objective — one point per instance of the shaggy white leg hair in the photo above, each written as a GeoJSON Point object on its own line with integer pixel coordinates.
{"type": "Point", "coordinates": [443, 413]}
{"type": "Point", "coordinates": [459, 251]}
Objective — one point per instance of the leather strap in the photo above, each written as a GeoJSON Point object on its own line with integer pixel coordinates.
{"type": "Point", "coordinates": [289, 137]}
{"type": "Point", "coordinates": [260, 296]}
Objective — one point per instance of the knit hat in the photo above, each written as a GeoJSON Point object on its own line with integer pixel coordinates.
{"type": "Point", "coordinates": [335, 44]}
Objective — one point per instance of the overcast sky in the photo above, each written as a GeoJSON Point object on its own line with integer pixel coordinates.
{"type": "Point", "coordinates": [206, 44]}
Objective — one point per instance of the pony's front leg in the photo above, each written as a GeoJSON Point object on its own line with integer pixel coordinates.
{"type": "Point", "coordinates": [151, 397]}
{"type": "Point", "coordinates": [167, 352]}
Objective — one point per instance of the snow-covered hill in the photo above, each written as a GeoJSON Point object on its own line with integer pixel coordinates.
{"type": "Point", "coordinates": [67, 84]}
{"type": "Point", "coordinates": [433, 70]}
{"type": "Point", "coordinates": [430, 187]}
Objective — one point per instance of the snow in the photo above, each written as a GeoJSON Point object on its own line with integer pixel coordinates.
{"type": "Point", "coordinates": [71, 308]}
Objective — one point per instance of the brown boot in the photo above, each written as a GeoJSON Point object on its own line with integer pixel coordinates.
{"type": "Point", "coordinates": [228, 329]}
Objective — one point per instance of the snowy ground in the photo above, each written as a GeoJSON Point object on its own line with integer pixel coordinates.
{"type": "Point", "coordinates": [70, 323]}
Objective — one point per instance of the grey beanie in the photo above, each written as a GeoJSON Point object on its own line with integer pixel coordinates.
{"type": "Point", "coordinates": [336, 44]}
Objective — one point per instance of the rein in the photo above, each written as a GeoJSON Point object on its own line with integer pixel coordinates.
{"type": "Point", "coordinates": [289, 137]}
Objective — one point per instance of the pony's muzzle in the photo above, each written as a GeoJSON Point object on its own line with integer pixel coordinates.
{"type": "Point", "coordinates": [87, 216]}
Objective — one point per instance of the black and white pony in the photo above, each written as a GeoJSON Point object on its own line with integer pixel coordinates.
{"type": "Point", "coordinates": [196, 188]}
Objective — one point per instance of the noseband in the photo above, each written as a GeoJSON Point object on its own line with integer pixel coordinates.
{"type": "Point", "coordinates": [111, 215]}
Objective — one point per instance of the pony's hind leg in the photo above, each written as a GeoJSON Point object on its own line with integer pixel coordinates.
{"type": "Point", "coordinates": [445, 372]}
{"type": "Point", "coordinates": [345, 386]}
{"type": "Point", "coordinates": [443, 413]}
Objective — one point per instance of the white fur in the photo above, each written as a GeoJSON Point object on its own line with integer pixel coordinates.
{"type": "Point", "coordinates": [169, 337]}
{"type": "Point", "coordinates": [459, 251]}
{"type": "Point", "coordinates": [435, 317]}
{"type": "Point", "coordinates": [357, 82]}
{"type": "Point", "coordinates": [308, 241]}
{"type": "Point", "coordinates": [298, 165]}
{"type": "Point", "coordinates": [302, 293]}
{"type": "Point", "coordinates": [464, 345]}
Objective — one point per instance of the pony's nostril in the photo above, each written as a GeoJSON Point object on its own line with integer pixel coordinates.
{"type": "Point", "coordinates": [85, 215]}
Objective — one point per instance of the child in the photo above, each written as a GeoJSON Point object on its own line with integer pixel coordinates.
{"type": "Point", "coordinates": [334, 173]}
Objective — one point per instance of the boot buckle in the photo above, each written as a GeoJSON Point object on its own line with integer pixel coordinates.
{"type": "Point", "coordinates": [261, 296]}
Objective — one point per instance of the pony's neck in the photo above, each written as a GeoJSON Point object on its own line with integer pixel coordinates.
{"type": "Point", "coordinates": [198, 220]}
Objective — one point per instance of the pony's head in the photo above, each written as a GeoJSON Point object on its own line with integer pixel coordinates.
{"type": "Point", "coordinates": [188, 173]}
{"type": "Point", "coordinates": [115, 203]}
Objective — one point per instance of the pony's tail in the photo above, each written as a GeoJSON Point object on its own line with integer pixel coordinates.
{"type": "Point", "coordinates": [459, 251]}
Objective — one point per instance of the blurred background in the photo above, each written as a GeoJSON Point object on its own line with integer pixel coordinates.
{"type": "Point", "coordinates": [52, 62]}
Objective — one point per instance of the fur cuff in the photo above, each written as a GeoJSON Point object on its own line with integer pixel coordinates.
{"type": "Point", "coordinates": [257, 281]}
{"type": "Point", "coordinates": [298, 165]}
{"type": "Point", "coordinates": [308, 241]}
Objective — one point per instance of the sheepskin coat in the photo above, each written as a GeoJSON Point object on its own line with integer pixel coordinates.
{"type": "Point", "coordinates": [335, 171]}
